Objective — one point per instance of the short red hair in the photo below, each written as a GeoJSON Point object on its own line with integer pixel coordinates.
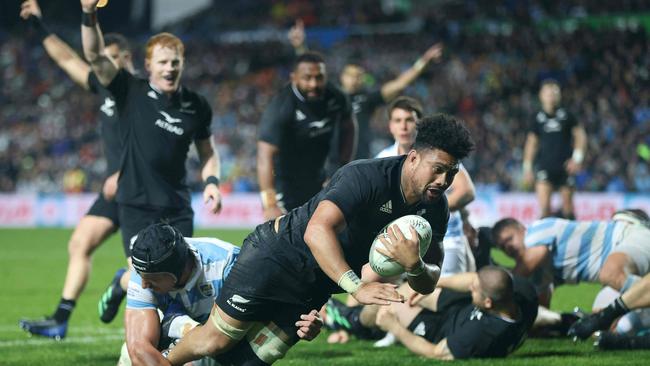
{"type": "Point", "coordinates": [165, 40]}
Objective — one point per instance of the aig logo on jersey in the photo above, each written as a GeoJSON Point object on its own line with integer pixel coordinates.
{"type": "Point", "coordinates": [169, 123]}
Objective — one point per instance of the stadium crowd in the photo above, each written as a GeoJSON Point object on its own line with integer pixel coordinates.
{"type": "Point", "coordinates": [49, 142]}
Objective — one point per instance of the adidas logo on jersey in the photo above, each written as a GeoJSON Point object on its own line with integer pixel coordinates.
{"type": "Point", "coordinates": [387, 207]}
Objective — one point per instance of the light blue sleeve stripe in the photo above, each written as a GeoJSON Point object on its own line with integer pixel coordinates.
{"type": "Point", "coordinates": [540, 225]}
{"type": "Point", "coordinates": [562, 244]}
{"type": "Point", "coordinates": [548, 241]}
{"type": "Point", "coordinates": [585, 251]}
{"type": "Point", "coordinates": [607, 244]}
{"type": "Point", "coordinates": [135, 304]}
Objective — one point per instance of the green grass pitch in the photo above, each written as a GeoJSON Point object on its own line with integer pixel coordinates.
{"type": "Point", "coordinates": [32, 267]}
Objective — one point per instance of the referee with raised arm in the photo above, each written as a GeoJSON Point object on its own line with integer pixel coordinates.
{"type": "Point", "coordinates": [159, 119]}
{"type": "Point", "coordinates": [308, 121]}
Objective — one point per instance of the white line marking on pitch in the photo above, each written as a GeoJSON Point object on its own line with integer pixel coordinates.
{"type": "Point", "coordinates": [47, 341]}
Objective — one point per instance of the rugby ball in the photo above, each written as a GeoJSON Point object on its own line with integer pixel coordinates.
{"type": "Point", "coordinates": [386, 266]}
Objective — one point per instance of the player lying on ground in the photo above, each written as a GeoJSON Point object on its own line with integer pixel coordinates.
{"type": "Point", "coordinates": [484, 314]}
{"type": "Point", "coordinates": [181, 277]}
{"type": "Point", "coordinates": [297, 262]}
{"type": "Point", "coordinates": [556, 251]}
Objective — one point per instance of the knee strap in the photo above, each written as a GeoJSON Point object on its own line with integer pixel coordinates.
{"type": "Point", "coordinates": [227, 329]}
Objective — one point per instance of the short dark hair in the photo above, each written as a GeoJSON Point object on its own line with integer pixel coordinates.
{"type": "Point", "coordinates": [407, 104]}
{"type": "Point", "coordinates": [502, 224]}
{"type": "Point", "coordinates": [496, 284]}
{"type": "Point", "coordinates": [309, 57]}
{"type": "Point", "coordinates": [444, 132]}
{"type": "Point", "coordinates": [117, 39]}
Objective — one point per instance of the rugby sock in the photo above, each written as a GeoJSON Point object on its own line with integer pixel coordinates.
{"type": "Point", "coordinates": [614, 310]}
{"type": "Point", "coordinates": [64, 310]}
{"type": "Point", "coordinates": [630, 280]}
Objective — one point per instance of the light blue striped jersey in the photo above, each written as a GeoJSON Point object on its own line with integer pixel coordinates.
{"type": "Point", "coordinates": [214, 258]}
{"type": "Point", "coordinates": [578, 248]}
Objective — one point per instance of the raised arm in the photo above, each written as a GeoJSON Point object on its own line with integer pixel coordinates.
{"type": "Point", "coordinates": [59, 51]}
{"type": "Point", "coordinates": [321, 239]}
{"type": "Point", "coordinates": [210, 173]}
{"type": "Point", "coordinates": [394, 87]}
{"type": "Point", "coordinates": [93, 44]}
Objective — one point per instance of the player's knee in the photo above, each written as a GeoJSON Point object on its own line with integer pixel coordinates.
{"type": "Point", "coordinates": [612, 275]}
{"type": "Point", "coordinates": [79, 245]}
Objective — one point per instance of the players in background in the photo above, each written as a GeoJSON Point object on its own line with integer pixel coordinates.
{"type": "Point", "coordinates": [305, 120]}
{"type": "Point", "coordinates": [181, 277]}
{"type": "Point", "coordinates": [554, 152]}
{"type": "Point", "coordinates": [365, 102]}
{"type": "Point", "coordinates": [555, 251]}
{"type": "Point", "coordinates": [298, 261]}
{"type": "Point", "coordinates": [102, 218]}
{"type": "Point", "coordinates": [159, 119]}
{"type": "Point", "coordinates": [469, 315]}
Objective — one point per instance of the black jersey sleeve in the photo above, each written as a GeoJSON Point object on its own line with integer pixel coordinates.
{"type": "Point", "coordinates": [120, 85]}
{"type": "Point", "coordinates": [275, 118]}
{"type": "Point", "coordinates": [93, 83]}
{"type": "Point", "coordinates": [349, 190]}
{"type": "Point", "coordinates": [533, 126]}
{"type": "Point", "coordinates": [470, 340]}
{"type": "Point", "coordinates": [203, 132]}
{"type": "Point", "coordinates": [375, 99]}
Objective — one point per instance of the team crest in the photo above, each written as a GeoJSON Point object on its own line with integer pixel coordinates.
{"type": "Point", "coordinates": [206, 289]}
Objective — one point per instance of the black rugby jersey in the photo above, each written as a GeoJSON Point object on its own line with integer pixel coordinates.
{"type": "Point", "coordinates": [109, 129]}
{"type": "Point", "coordinates": [555, 138]}
{"type": "Point", "coordinates": [304, 131]}
{"type": "Point", "coordinates": [369, 194]}
{"type": "Point", "coordinates": [471, 332]}
{"type": "Point", "coordinates": [364, 104]}
{"type": "Point", "coordinates": [156, 131]}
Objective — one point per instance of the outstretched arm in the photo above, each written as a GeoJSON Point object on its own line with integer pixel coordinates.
{"type": "Point", "coordinates": [59, 51]}
{"type": "Point", "coordinates": [93, 44]}
{"type": "Point", "coordinates": [320, 237]}
{"type": "Point", "coordinates": [142, 328]}
{"type": "Point", "coordinates": [394, 87]}
{"type": "Point", "coordinates": [388, 322]}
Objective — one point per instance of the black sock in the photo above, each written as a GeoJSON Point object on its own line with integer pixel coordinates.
{"type": "Point", "coordinates": [64, 310]}
{"type": "Point", "coordinates": [614, 310]}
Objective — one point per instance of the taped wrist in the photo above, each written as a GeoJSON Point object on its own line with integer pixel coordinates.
{"type": "Point", "coordinates": [419, 269]}
{"type": "Point", "coordinates": [89, 19]}
{"type": "Point", "coordinates": [268, 198]}
{"type": "Point", "coordinates": [349, 281]}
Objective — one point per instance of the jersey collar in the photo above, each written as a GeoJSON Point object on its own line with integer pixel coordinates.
{"type": "Point", "coordinates": [165, 100]}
